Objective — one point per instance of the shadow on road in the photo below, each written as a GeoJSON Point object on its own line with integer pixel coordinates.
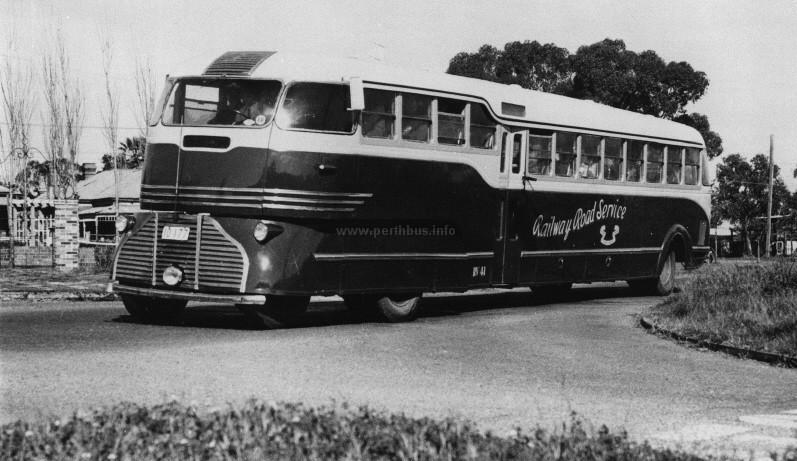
{"type": "Point", "coordinates": [334, 313]}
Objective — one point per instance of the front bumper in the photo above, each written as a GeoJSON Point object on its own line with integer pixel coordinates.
{"type": "Point", "coordinates": [115, 287]}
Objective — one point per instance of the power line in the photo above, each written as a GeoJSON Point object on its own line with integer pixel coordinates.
{"type": "Point", "coordinates": [91, 127]}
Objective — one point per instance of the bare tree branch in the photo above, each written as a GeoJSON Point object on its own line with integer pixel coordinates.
{"type": "Point", "coordinates": [145, 93]}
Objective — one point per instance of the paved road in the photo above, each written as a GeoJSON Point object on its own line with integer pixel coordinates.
{"type": "Point", "coordinates": [499, 359]}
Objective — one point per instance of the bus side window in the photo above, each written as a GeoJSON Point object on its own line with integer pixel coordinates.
{"type": "Point", "coordinates": [613, 158]}
{"type": "Point", "coordinates": [566, 149]}
{"type": "Point", "coordinates": [540, 152]}
{"type": "Point", "coordinates": [590, 167]}
{"type": "Point", "coordinates": [655, 163]}
{"type": "Point", "coordinates": [517, 143]}
{"type": "Point", "coordinates": [482, 127]}
{"type": "Point", "coordinates": [416, 119]}
{"type": "Point", "coordinates": [692, 169]}
{"type": "Point", "coordinates": [317, 107]}
{"type": "Point", "coordinates": [451, 121]}
{"type": "Point", "coordinates": [379, 115]}
{"type": "Point", "coordinates": [503, 151]}
{"type": "Point", "coordinates": [634, 164]}
{"type": "Point", "coordinates": [675, 157]}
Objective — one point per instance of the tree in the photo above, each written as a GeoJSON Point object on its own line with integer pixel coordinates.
{"type": "Point", "coordinates": [110, 113]}
{"type": "Point", "coordinates": [535, 66]}
{"type": "Point", "coordinates": [700, 123]}
{"type": "Point", "coordinates": [605, 72]}
{"type": "Point", "coordinates": [19, 99]}
{"type": "Point", "coordinates": [130, 154]}
{"type": "Point", "coordinates": [741, 194]}
{"type": "Point", "coordinates": [53, 127]}
{"type": "Point", "coordinates": [145, 94]}
{"type": "Point", "coordinates": [479, 65]}
{"type": "Point", "coordinates": [608, 73]}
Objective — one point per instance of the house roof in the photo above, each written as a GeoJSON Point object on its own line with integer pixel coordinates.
{"type": "Point", "coordinates": [101, 186]}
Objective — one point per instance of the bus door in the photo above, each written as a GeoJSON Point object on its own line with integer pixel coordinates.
{"type": "Point", "coordinates": [507, 239]}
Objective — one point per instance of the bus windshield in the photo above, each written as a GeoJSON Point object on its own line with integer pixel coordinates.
{"type": "Point", "coordinates": [248, 103]}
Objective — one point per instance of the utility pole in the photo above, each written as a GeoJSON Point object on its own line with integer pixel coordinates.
{"type": "Point", "coordinates": [769, 202]}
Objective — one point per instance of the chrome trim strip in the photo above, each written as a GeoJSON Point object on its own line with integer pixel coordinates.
{"type": "Point", "coordinates": [701, 248]}
{"type": "Point", "coordinates": [155, 251]}
{"type": "Point", "coordinates": [267, 198]}
{"type": "Point", "coordinates": [190, 296]}
{"type": "Point", "coordinates": [171, 202]}
{"type": "Point", "coordinates": [276, 198]}
{"type": "Point", "coordinates": [310, 192]}
{"type": "Point", "coordinates": [641, 250]}
{"type": "Point", "coordinates": [303, 208]}
{"type": "Point", "coordinates": [240, 247]}
{"type": "Point", "coordinates": [196, 249]}
{"type": "Point", "coordinates": [399, 256]}
{"type": "Point", "coordinates": [258, 190]}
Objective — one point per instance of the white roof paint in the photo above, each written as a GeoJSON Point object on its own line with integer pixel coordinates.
{"type": "Point", "coordinates": [543, 108]}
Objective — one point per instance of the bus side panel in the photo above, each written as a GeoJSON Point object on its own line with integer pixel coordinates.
{"type": "Point", "coordinates": [584, 237]}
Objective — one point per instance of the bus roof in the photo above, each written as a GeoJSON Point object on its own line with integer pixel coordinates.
{"type": "Point", "coordinates": [543, 109]}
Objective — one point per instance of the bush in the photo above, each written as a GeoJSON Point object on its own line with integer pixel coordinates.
{"type": "Point", "coordinates": [103, 258]}
{"type": "Point", "coordinates": [753, 305]}
{"type": "Point", "coordinates": [290, 431]}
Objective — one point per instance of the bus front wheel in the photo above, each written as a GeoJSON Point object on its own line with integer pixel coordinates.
{"type": "Point", "coordinates": [149, 309]}
{"type": "Point", "coordinates": [661, 285]}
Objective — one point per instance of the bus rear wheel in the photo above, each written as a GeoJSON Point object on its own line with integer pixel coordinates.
{"type": "Point", "coordinates": [661, 285]}
{"type": "Point", "coordinates": [397, 308]}
{"type": "Point", "coordinates": [155, 310]}
{"type": "Point", "coordinates": [277, 312]}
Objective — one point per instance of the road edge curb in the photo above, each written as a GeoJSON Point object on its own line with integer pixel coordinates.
{"type": "Point", "coordinates": [768, 357]}
{"type": "Point", "coordinates": [57, 296]}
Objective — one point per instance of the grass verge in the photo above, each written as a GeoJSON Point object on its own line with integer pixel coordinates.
{"type": "Point", "coordinates": [748, 306]}
{"type": "Point", "coordinates": [258, 430]}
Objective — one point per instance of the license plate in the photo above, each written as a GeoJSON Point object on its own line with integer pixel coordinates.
{"type": "Point", "coordinates": [175, 233]}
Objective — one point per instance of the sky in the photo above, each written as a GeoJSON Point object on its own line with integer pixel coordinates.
{"type": "Point", "coordinates": [748, 49]}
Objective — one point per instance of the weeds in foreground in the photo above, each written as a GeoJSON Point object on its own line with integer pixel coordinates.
{"type": "Point", "coordinates": [752, 306]}
{"type": "Point", "coordinates": [258, 430]}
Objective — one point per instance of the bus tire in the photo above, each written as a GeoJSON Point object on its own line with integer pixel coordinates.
{"type": "Point", "coordinates": [551, 292]}
{"type": "Point", "coordinates": [156, 310]}
{"type": "Point", "coordinates": [277, 312]}
{"type": "Point", "coordinates": [396, 308]}
{"type": "Point", "coordinates": [663, 284]}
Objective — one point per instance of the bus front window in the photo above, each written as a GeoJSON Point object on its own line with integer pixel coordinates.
{"type": "Point", "coordinates": [195, 102]}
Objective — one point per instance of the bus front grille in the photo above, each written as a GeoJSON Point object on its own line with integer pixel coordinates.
{"type": "Point", "coordinates": [210, 259]}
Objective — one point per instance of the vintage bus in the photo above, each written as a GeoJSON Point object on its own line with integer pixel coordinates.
{"type": "Point", "coordinates": [272, 177]}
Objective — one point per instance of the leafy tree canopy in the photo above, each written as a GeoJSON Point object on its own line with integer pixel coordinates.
{"type": "Point", "coordinates": [741, 193]}
{"type": "Point", "coordinates": [604, 72]}
{"type": "Point", "coordinates": [130, 154]}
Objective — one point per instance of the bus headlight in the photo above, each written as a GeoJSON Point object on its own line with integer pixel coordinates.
{"type": "Point", "coordinates": [124, 223]}
{"type": "Point", "coordinates": [172, 275]}
{"type": "Point", "coordinates": [264, 231]}
{"type": "Point", "coordinates": [261, 232]}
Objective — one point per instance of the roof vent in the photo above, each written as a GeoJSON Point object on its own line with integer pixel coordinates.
{"type": "Point", "coordinates": [237, 62]}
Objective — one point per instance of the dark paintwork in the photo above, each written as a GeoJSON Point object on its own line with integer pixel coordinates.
{"type": "Point", "coordinates": [411, 193]}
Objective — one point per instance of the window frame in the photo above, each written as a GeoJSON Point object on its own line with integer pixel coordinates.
{"type": "Point", "coordinates": [661, 163]}
{"type": "Point", "coordinates": [393, 114]}
{"type": "Point", "coordinates": [355, 120]}
{"type": "Point", "coordinates": [621, 157]}
{"type": "Point", "coordinates": [178, 84]}
{"type": "Point", "coordinates": [680, 166]}
{"type": "Point", "coordinates": [529, 156]}
{"type": "Point", "coordinates": [574, 155]}
{"type": "Point", "coordinates": [582, 155]}
{"type": "Point", "coordinates": [697, 165]}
